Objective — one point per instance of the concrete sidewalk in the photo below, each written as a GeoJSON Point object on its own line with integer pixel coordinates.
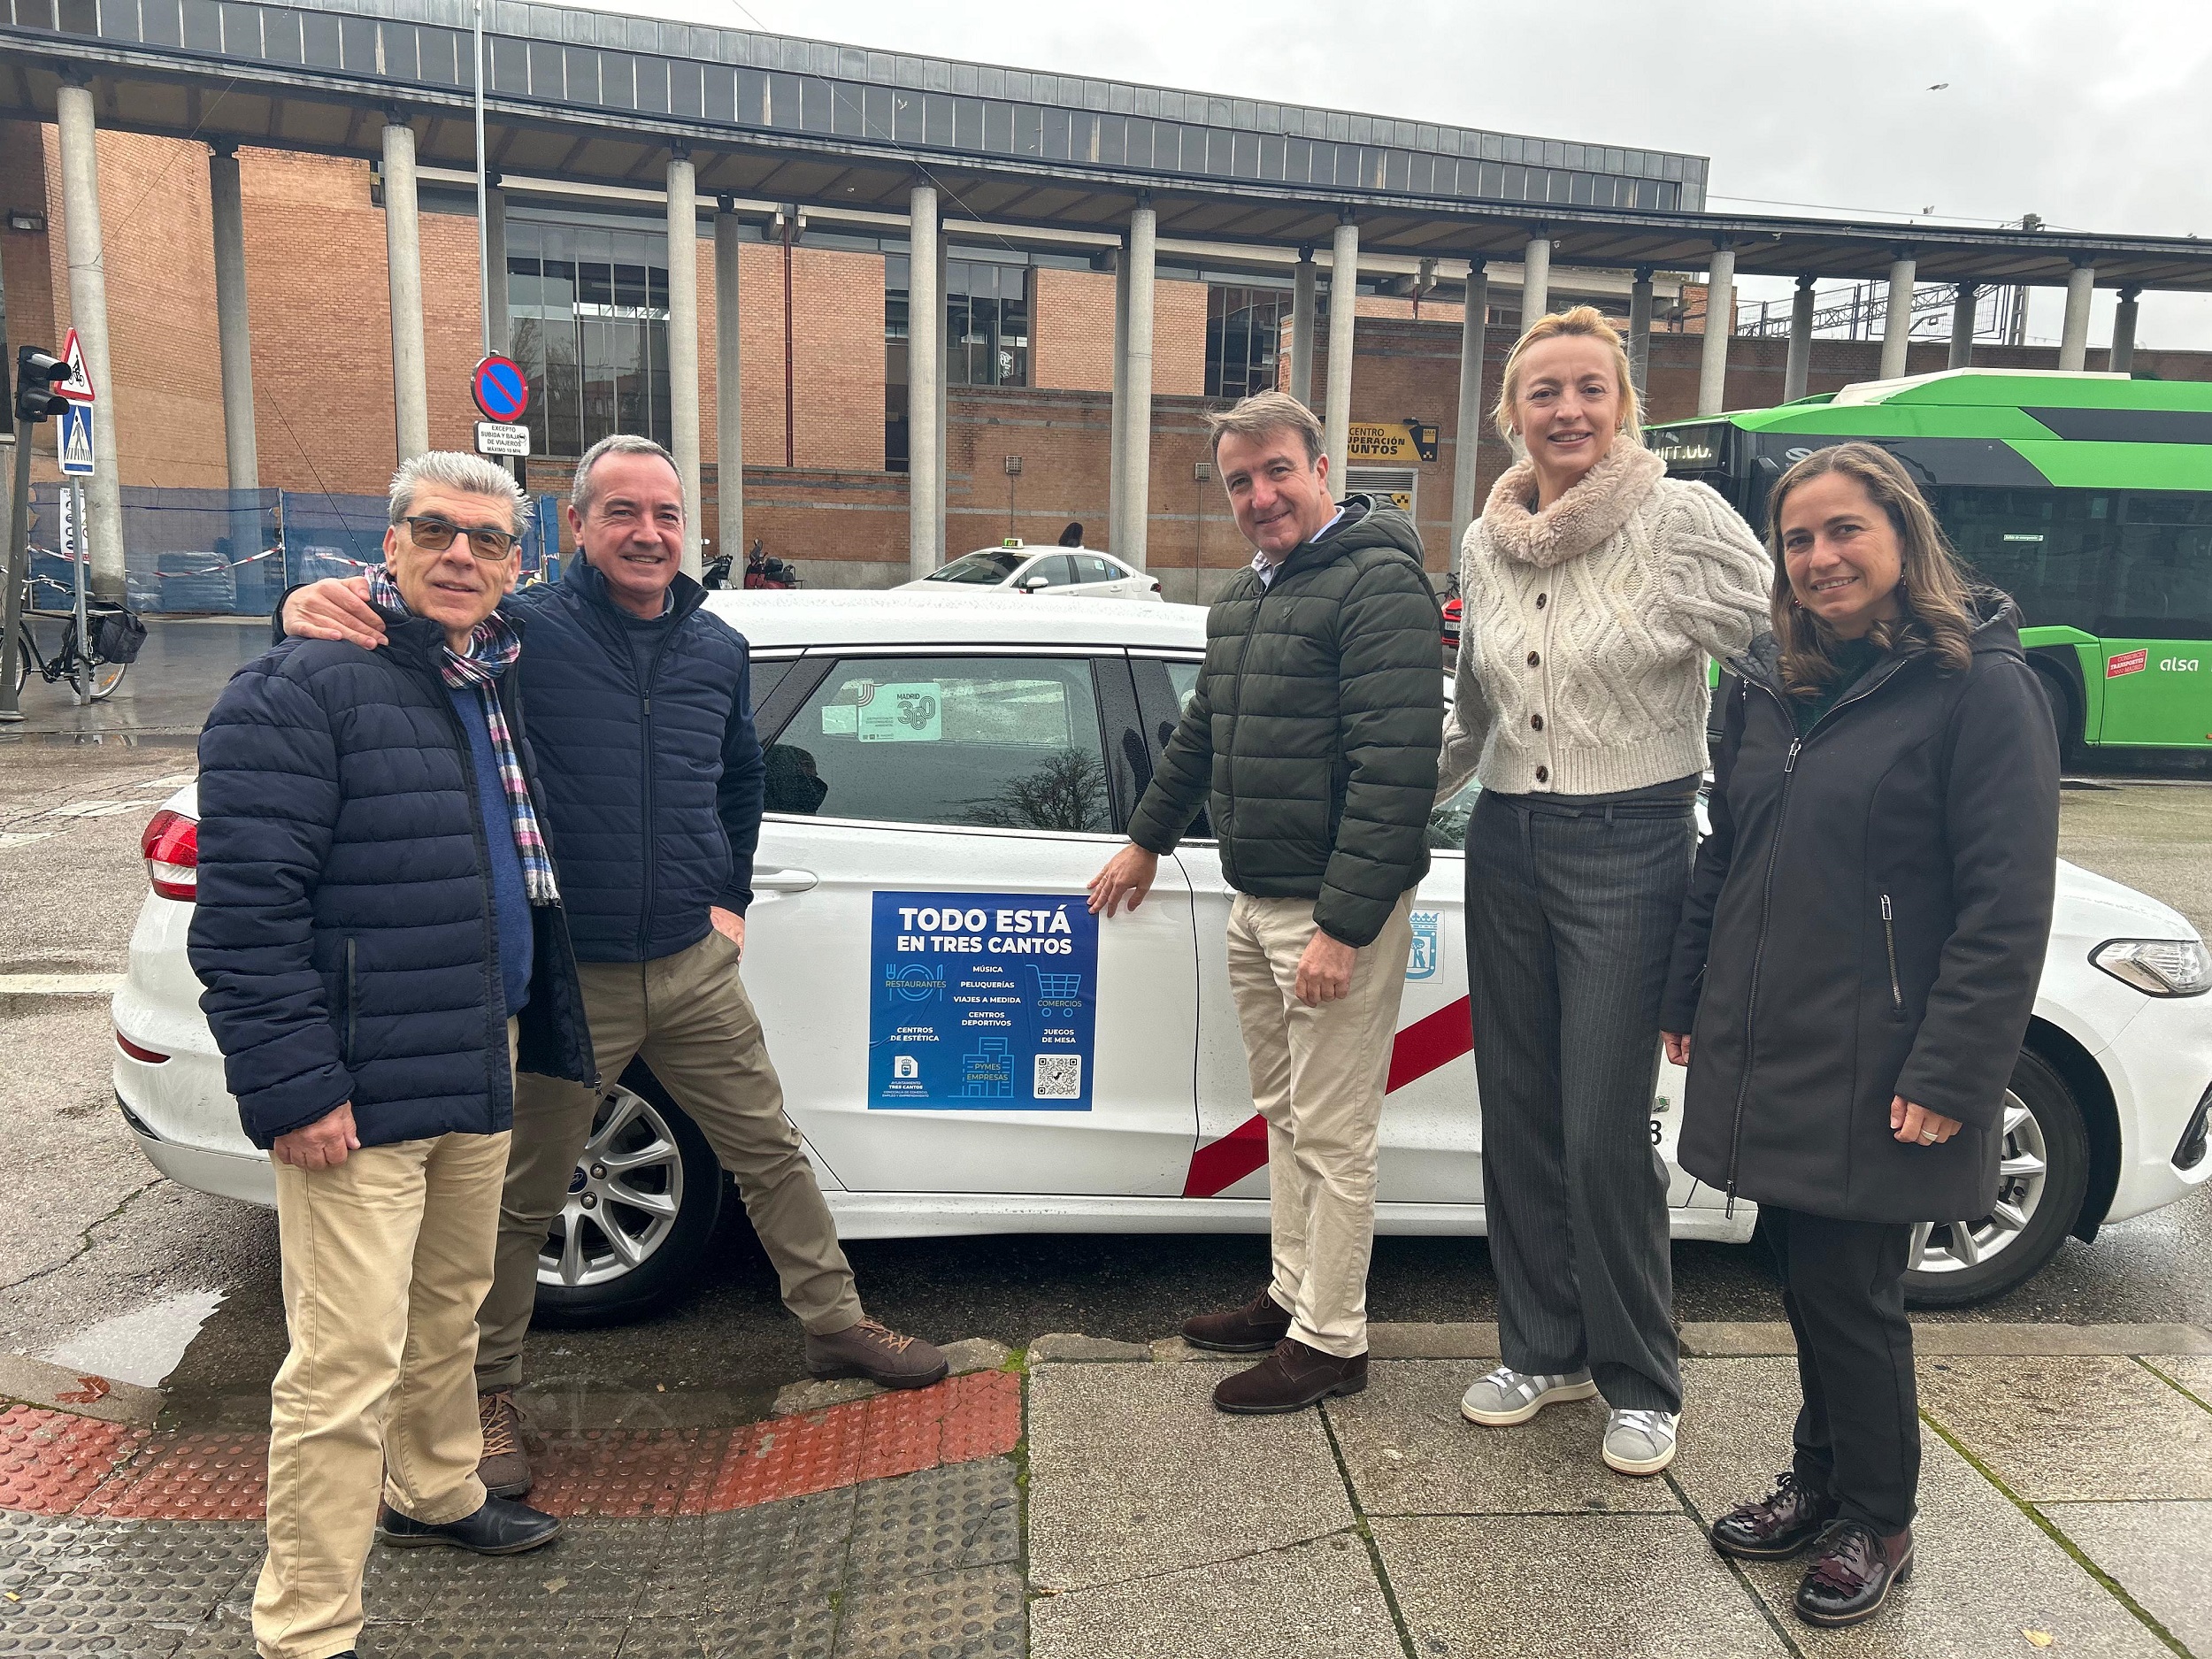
{"type": "Point", "coordinates": [1085, 1501]}
{"type": "Point", "coordinates": [2066, 1505]}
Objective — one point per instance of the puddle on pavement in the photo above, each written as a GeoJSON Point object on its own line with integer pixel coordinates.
{"type": "Point", "coordinates": [140, 1346]}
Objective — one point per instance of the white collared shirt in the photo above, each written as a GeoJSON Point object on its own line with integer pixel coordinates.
{"type": "Point", "coordinates": [1265, 567]}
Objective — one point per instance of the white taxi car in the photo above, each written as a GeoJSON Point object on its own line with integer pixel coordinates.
{"type": "Point", "coordinates": [967, 1051]}
{"type": "Point", "coordinates": [1014, 567]}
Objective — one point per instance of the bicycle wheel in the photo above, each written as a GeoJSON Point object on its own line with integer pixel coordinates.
{"type": "Point", "coordinates": [105, 678]}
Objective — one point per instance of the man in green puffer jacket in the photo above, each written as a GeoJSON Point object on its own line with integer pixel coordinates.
{"type": "Point", "coordinates": [1312, 736]}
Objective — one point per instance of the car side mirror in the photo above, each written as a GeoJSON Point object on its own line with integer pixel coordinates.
{"type": "Point", "coordinates": [1030, 584]}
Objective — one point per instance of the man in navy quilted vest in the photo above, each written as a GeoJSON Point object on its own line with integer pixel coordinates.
{"type": "Point", "coordinates": [380, 934]}
{"type": "Point", "coordinates": [641, 712]}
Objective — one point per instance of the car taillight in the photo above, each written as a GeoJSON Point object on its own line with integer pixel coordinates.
{"type": "Point", "coordinates": [151, 1057]}
{"type": "Point", "coordinates": [171, 848]}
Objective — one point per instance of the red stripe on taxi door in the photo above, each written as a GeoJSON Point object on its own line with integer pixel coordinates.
{"type": "Point", "coordinates": [1431, 1041]}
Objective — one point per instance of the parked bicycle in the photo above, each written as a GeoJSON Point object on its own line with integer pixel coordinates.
{"type": "Point", "coordinates": [97, 665]}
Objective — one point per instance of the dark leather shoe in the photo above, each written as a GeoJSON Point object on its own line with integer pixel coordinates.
{"type": "Point", "coordinates": [502, 1527]}
{"type": "Point", "coordinates": [1851, 1574]}
{"type": "Point", "coordinates": [1776, 1527]}
{"type": "Point", "coordinates": [1291, 1378]}
{"type": "Point", "coordinates": [1252, 1329]}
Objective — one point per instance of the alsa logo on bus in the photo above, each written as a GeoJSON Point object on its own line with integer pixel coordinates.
{"type": "Point", "coordinates": [2136, 662]}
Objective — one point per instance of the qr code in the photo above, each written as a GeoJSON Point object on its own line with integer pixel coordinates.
{"type": "Point", "coordinates": [1059, 1077]}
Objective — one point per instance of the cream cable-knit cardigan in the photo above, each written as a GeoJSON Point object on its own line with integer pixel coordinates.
{"type": "Point", "coordinates": [1586, 627]}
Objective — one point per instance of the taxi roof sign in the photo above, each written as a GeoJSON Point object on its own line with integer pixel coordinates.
{"type": "Point", "coordinates": [78, 387]}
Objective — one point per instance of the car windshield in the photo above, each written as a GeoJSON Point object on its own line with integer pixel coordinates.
{"type": "Point", "coordinates": [992, 564]}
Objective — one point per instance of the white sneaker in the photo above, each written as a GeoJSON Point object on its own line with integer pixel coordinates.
{"type": "Point", "coordinates": [1507, 1396]}
{"type": "Point", "coordinates": [1640, 1442]}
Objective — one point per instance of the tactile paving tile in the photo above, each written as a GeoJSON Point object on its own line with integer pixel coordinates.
{"type": "Point", "coordinates": [465, 1637]}
{"type": "Point", "coordinates": [799, 1629]}
{"type": "Point", "coordinates": [28, 1543]}
{"type": "Point", "coordinates": [940, 1520]}
{"type": "Point", "coordinates": [595, 1570]}
{"type": "Point", "coordinates": [129, 1587]}
{"type": "Point", "coordinates": [979, 1613]}
{"type": "Point", "coordinates": [190, 1478]}
{"type": "Point", "coordinates": [898, 1433]}
{"type": "Point", "coordinates": [627, 1475]}
{"type": "Point", "coordinates": [989, 1421]}
{"type": "Point", "coordinates": [725, 1564]}
{"type": "Point", "coordinates": [51, 1461]}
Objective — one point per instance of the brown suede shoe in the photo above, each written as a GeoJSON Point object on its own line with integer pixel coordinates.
{"type": "Point", "coordinates": [1291, 1378]}
{"type": "Point", "coordinates": [504, 1469]}
{"type": "Point", "coordinates": [873, 1350]}
{"type": "Point", "coordinates": [1851, 1574]}
{"type": "Point", "coordinates": [1252, 1329]}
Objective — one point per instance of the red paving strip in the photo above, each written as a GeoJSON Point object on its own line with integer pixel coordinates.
{"type": "Point", "coordinates": [52, 1462]}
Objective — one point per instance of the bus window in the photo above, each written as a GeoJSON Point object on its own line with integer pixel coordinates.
{"type": "Point", "coordinates": [2161, 584]}
{"type": "Point", "coordinates": [2048, 548]}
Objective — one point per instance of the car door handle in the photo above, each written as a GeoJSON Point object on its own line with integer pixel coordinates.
{"type": "Point", "coordinates": [783, 880]}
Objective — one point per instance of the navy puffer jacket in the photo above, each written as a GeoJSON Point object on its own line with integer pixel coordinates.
{"type": "Point", "coordinates": [652, 787]}
{"type": "Point", "coordinates": [345, 930]}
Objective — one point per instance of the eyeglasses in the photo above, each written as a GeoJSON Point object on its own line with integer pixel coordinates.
{"type": "Point", "coordinates": [434, 535]}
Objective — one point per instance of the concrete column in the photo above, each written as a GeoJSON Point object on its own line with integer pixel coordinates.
{"type": "Point", "coordinates": [403, 257]}
{"type": "Point", "coordinates": [1535, 279]}
{"type": "Point", "coordinates": [497, 310]}
{"type": "Point", "coordinates": [683, 340]}
{"type": "Point", "coordinates": [1117, 531]}
{"type": "Point", "coordinates": [2073, 337]}
{"type": "Point", "coordinates": [1897, 319]}
{"type": "Point", "coordinates": [88, 316]}
{"type": "Point", "coordinates": [946, 551]}
{"type": "Point", "coordinates": [1467, 435]}
{"type": "Point", "coordinates": [1963, 307]}
{"type": "Point", "coordinates": [234, 334]}
{"type": "Point", "coordinates": [925, 376]}
{"type": "Point", "coordinates": [729, 391]}
{"type": "Point", "coordinates": [1639, 329]}
{"type": "Point", "coordinates": [1797, 368]}
{"type": "Point", "coordinates": [1303, 325]}
{"type": "Point", "coordinates": [2122, 360]}
{"type": "Point", "coordinates": [1133, 408]}
{"type": "Point", "coordinates": [1343, 312]}
{"type": "Point", "coordinates": [1720, 322]}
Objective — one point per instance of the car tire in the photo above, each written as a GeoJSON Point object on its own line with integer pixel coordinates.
{"type": "Point", "coordinates": [599, 1284]}
{"type": "Point", "coordinates": [2045, 1162]}
{"type": "Point", "coordinates": [2066, 721]}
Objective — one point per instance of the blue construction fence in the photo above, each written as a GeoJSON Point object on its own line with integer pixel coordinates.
{"type": "Point", "coordinates": [235, 551]}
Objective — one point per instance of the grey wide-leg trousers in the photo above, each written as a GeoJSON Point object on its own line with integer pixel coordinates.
{"type": "Point", "coordinates": [1571, 917]}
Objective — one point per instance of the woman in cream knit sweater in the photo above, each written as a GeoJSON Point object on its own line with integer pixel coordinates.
{"type": "Point", "coordinates": [1596, 589]}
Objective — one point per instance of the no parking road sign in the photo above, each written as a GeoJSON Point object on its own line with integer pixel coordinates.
{"type": "Point", "coordinates": [499, 387]}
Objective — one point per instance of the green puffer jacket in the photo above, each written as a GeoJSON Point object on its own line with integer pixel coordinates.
{"type": "Point", "coordinates": [1316, 723]}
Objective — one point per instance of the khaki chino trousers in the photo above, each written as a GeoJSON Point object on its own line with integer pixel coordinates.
{"type": "Point", "coordinates": [689, 1018]}
{"type": "Point", "coordinates": [386, 1258]}
{"type": "Point", "coordinates": [1317, 1077]}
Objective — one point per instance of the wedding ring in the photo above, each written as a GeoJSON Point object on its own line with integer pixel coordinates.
{"type": "Point", "coordinates": [1928, 1140]}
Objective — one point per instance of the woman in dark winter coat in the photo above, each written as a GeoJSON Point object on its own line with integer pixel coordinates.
{"type": "Point", "coordinates": [1855, 970]}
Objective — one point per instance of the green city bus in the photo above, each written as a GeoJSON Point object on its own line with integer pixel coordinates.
{"type": "Point", "coordinates": [2087, 497]}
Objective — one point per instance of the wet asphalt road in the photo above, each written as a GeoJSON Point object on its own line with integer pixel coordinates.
{"type": "Point", "coordinates": [110, 1268]}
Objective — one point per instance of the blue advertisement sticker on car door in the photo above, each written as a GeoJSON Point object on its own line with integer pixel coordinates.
{"type": "Point", "coordinates": [982, 1001]}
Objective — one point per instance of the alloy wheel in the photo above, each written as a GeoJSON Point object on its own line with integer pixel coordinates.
{"type": "Point", "coordinates": [623, 1201]}
{"type": "Point", "coordinates": [2022, 1172]}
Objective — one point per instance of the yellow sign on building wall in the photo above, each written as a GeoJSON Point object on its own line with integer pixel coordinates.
{"type": "Point", "coordinates": [1390, 443]}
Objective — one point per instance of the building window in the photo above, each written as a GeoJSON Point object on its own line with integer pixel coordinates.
{"type": "Point", "coordinates": [1244, 327]}
{"type": "Point", "coordinates": [986, 335]}
{"type": "Point", "coordinates": [590, 328]}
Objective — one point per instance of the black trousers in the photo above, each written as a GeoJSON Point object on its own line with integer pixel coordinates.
{"type": "Point", "coordinates": [1858, 1432]}
{"type": "Point", "coordinates": [1571, 917]}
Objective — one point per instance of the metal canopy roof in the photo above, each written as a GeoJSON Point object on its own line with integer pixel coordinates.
{"type": "Point", "coordinates": [175, 91]}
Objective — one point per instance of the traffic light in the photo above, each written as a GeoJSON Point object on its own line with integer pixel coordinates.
{"type": "Point", "coordinates": [35, 373]}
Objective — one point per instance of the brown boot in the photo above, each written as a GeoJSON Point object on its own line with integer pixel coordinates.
{"type": "Point", "coordinates": [1252, 1329]}
{"type": "Point", "coordinates": [1853, 1573]}
{"type": "Point", "coordinates": [1291, 1378]}
{"type": "Point", "coordinates": [873, 1350]}
{"type": "Point", "coordinates": [504, 1468]}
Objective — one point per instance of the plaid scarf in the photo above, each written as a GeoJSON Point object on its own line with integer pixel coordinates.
{"type": "Point", "coordinates": [492, 650]}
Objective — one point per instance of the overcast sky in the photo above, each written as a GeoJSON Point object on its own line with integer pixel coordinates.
{"type": "Point", "coordinates": [2095, 115]}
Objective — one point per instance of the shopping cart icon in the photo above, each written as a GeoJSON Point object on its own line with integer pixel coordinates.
{"type": "Point", "coordinates": [1058, 987]}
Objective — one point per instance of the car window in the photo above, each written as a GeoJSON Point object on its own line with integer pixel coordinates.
{"type": "Point", "coordinates": [1057, 569]}
{"type": "Point", "coordinates": [766, 675]}
{"type": "Point", "coordinates": [1091, 568]}
{"type": "Point", "coordinates": [1447, 819]}
{"type": "Point", "coordinates": [996, 742]}
{"type": "Point", "coordinates": [983, 568]}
